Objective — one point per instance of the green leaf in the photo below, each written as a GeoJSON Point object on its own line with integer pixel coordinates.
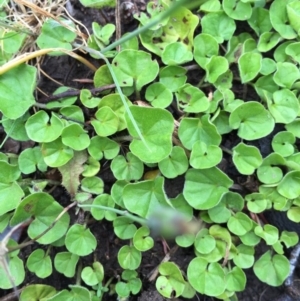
{"type": "Point", "coordinates": [239, 224]}
{"type": "Point", "coordinates": [9, 172]}
{"type": "Point", "coordinates": [203, 189]}
{"type": "Point", "coordinates": [14, 102]}
{"type": "Point", "coordinates": [124, 227]}
{"type": "Point", "coordinates": [173, 77]}
{"type": "Point", "coordinates": [260, 20]}
{"type": "Point", "coordinates": [175, 164]}
{"type": "Point", "coordinates": [246, 158]}
{"type": "Point", "coordinates": [62, 102]}
{"type": "Point", "coordinates": [16, 128]}
{"type": "Point", "coordinates": [279, 19]}
{"type": "Point", "coordinates": [294, 214]}
{"type": "Point", "coordinates": [129, 257]}
{"type": "Point", "coordinates": [218, 25]}
{"type": "Point", "coordinates": [30, 159]}
{"type": "Point", "coordinates": [80, 241]}
{"type": "Point", "coordinates": [93, 185]}
{"type": "Point", "coordinates": [102, 77]}
{"type": "Point", "coordinates": [146, 197]}
{"type": "Point", "coordinates": [159, 95]}
{"type": "Point", "coordinates": [141, 239]}
{"type": "Point", "coordinates": [106, 122]}
{"type": "Point", "coordinates": [93, 275]}
{"type": "Point", "coordinates": [36, 292]}
{"type": "Point", "coordinates": [191, 99]}
{"type": "Point", "coordinates": [269, 233]}
{"type": "Point", "coordinates": [237, 10]}
{"type": "Point", "coordinates": [65, 263]}
{"type": "Point", "coordinates": [128, 66]}
{"type": "Point", "coordinates": [56, 153]}
{"type": "Point", "coordinates": [56, 35]}
{"type": "Point", "coordinates": [272, 270]}
{"type": "Point", "coordinates": [270, 172]}
{"type": "Point", "coordinates": [252, 120]}
{"type": "Point", "coordinates": [103, 200]}
{"type": "Point", "coordinates": [215, 67]}
{"type": "Point", "coordinates": [115, 102]}
{"type": "Point", "coordinates": [284, 106]}
{"type": "Point", "coordinates": [39, 263]}
{"type": "Point", "coordinates": [267, 41]}
{"type": "Point", "coordinates": [268, 66]}
{"type": "Point", "coordinates": [88, 100]}
{"type": "Point", "coordinates": [176, 54]}
{"type": "Point", "coordinates": [41, 128]}
{"type": "Point", "coordinates": [73, 114]}
{"type": "Point", "coordinates": [286, 74]}
{"type": "Point", "coordinates": [203, 277]}
{"type": "Point", "coordinates": [170, 283]}
{"type": "Point", "coordinates": [230, 202]}
{"type": "Point", "coordinates": [129, 168]}
{"type": "Point", "coordinates": [16, 269]}
{"type": "Point", "coordinates": [196, 129]}
{"type": "Point", "coordinates": [103, 147]}
{"type": "Point", "coordinates": [156, 126]}
{"type": "Point", "coordinates": [205, 156]}
{"type": "Point", "coordinates": [289, 185]}
{"type": "Point", "coordinates": [249, 65]}
{"type": "Point", "coordinates": [257, 202]}
{"type": "Point", "coordinates": [290, 239]}
{"type": "Point", "coordinates": [244, 258]}
{"type": "Point", "coordinates": [180, 26]}
{"type": "Point", "coordinates": [293, 14]}
{"type": "Point", "coordinates": [12, 192]}
{"type": "Point", "coordinates": [292, 51]}
{"type": "Point", "coordinates": [205, 46]}
{"type": "Point", "coordinates": [283, 143]}
{"type": "Point", "coordinates": [236, 280]}
{"type": "Point", "coordinates": [75, 137]}
{"type": "Point", "coordinates": [45, 214]}
{"type": "Point", "coordinates": [204, 242]}
{"type": "Point", "coordinates": [77, 293]}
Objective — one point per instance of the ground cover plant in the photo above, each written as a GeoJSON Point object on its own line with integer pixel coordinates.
{"type": "Point", "coordinates": [147, 120]}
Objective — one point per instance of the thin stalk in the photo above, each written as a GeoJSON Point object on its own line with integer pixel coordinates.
{"type": "Point", "coordinates": [98, 53]}
{"type": "Point", "coordinates": [25, 244]}
{"type": "Point", "coordinates": [134, 218]}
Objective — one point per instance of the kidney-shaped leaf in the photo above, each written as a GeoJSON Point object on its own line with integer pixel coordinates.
{"type": "Point", "coordinates": [252, 120]}
{"type": "Point", "coordinates": [196, 129]}
{"type": "Point", "coordinates": [203, 189]}
{"type": "Point", "coordinates": [16, 91]}
{"type": "Point", "coordinates": [205, 278]}
{"type": "Point", "coordinates": [129, 67]}
{"type": "Point", "coordinates": [45, 209]}
{"type": "Point", "coordinates": [156, 126]}
{"type": "Point", "coordinates": [80, 241]}
{"type": "Point", "coordinates": [272, 270]}
{"type": "Point", "coordinates": [41, 128]}
{"type": "Point", "coordinates": [246, 158]}
{"type": "Point", "coordinates": [56, 35]}
{"type": "Point", "coordinates": [170, 283]}
{"type": "Point", "coordinates": [249, 64]}
{"type": "Point", "coordinates": [145, 198]}
{"type": "Point", "coordinates": [289, 186]}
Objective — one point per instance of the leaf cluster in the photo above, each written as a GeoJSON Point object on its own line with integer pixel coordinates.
{"type": "Point", "coordinates": [132, 130]}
